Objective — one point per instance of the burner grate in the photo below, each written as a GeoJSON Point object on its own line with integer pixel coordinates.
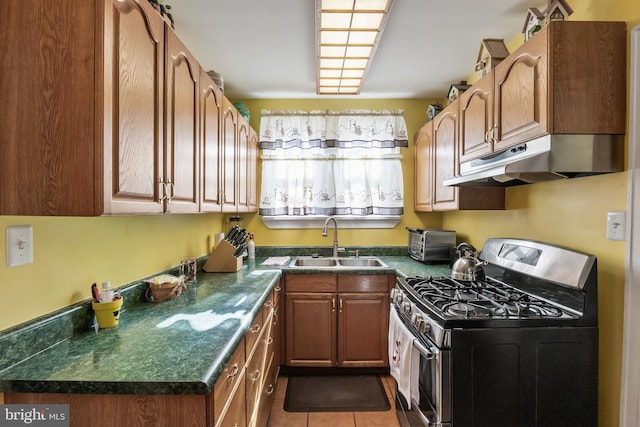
{"type": "Point", "coordinates": [488, 298]}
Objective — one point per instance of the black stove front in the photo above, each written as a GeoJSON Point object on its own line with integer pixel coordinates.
{"type": "Point", "coordinates": [519, 348]}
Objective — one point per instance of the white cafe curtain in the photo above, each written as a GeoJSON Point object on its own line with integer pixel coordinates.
{"type": "Point", "coordinates": [332, 163]}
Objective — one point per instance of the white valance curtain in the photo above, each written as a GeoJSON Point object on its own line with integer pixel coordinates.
{"type": "Point", "coordinates": [332, 163]}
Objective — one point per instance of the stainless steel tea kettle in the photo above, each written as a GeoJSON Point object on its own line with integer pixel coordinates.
{"type": "Point", "coordinates": [467, 267]}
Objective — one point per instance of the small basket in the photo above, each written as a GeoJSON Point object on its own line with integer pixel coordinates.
{"type": "Point", "coordinates": [158, 292]}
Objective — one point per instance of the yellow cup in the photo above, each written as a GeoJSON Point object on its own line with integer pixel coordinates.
{"type": "Point", "coordinates": [107, 313]}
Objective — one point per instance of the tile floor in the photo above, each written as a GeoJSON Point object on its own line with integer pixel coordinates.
{"type": "Point", "coordinates": [281, 418]}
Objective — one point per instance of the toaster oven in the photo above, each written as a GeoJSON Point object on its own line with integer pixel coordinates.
{"type": "Point", "coordinates": [431, 245]}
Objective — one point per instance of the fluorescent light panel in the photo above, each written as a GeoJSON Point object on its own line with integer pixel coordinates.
{"type": "Point", "coordinates": [347, 34]}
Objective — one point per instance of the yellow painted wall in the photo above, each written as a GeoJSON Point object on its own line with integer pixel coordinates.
{"type": "Point", "coordinates": [69, 254]}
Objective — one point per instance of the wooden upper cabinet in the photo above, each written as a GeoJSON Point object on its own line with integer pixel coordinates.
{"type": "Point", "coordinates": [247, 178]}
{"type": "Point", "coordinates": [569, 78]}
{"type": "Point", "coordinates": [445, 138]}
{"type": "Point", "coordinates": [253, 171]}
{"type": "Point", "coordinates": [210, 116]}
{"type": "Point", "coordinates": [437, 150]}
{"type": "Point", "coordinates": [521, 95]}
{"type": "Point", "coordinates": [133, 98]}
{"type": "Point", "coordinates": [476, 119]}
{"type": "Point", "coordinates": [119, 131]}
{"type": "Point", "coordinates": [229, 144]}
{"type": "Point", "coordinates": [182, 142]}
{"type": "Point", "coordinates": [242, 157]}
{"type": "Point", "coordinates": [423, 178]}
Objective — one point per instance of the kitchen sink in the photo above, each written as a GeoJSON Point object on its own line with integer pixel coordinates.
{"type": "Point", "coordinates": [336, 263]}
{"type": "Point", "coordinates": [314, 262]}
{"type": "Point", "coordinates": [361, 262]}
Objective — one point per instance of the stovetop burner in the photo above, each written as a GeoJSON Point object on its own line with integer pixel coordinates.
{"type": "Point", "coordinates": [489, 298]}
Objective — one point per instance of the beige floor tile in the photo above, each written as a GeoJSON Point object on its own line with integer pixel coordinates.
{"type": "Point", "coordinates": [376, 419]}
{"type": "Point", "coordinates": [280, 418]}
{"type": "Point", "coordinates": [333, 419]}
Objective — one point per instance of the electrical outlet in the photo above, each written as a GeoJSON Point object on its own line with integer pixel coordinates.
{"type": "Point", "coordinates": [616, 226]}
{"type": "Point", "coordinates": [19, 242]}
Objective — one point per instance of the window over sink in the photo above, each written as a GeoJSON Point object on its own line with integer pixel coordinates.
{"type": "Point", "coordinates": [321, 163]}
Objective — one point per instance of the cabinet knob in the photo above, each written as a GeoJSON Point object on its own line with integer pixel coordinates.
{"type": "Point", "coordinates": [255, 329]}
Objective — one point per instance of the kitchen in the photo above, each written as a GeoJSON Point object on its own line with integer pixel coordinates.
{"type": "Point", "coordinates": [65, 261]}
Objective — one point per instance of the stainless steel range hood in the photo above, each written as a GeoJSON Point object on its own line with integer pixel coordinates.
{"type": "Point", "coordinates": [547, 158]}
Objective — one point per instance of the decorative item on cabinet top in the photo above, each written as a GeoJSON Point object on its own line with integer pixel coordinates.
{"type": "Point", "coordinates": [217, 79]}
{"type": "Point", "coordinates": [455, 90]}
{"type": "Point", "coordinates": [243, 110]}
{"type": "Point", "coordinates": [433, 111]}
{"type": "Point", "coordinates": [164, 10]}
{"type": "Point", "coordinates": [492, 52]}
{"type": "Point", "coordinates": [557, 10]}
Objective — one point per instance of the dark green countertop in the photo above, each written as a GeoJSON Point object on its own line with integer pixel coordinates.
{"type": "Point", "coordinates": [174, 347]}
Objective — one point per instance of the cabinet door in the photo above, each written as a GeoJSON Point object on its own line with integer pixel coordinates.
{"type": "Point", "coordinates": [310, 329]}
{"type": "Point", "coordinates": [476, 119]}
{"type": "Point", "coordinates": [253, 171]}
{"type": "Point", "coordinates": [242, 177]}
{"type": "Point", "coordinates": [133, 106]}
{"type": "Point", "coordinates": [182, 143]}
{"type": "Point", "coordinates": [229, 136]}
{"type": "Point", "coordinates": [47, 126]}
{"type": "Point", "coordinates": [210, 114]}
{"type": "Point", "coordinates": [423, 185]}
{"type": "Point", "coordinates": [521, 94]}
{"type": "Point", "coordinates": [445, 132]}
{"type": "Point", "coordinates": [363, 321]}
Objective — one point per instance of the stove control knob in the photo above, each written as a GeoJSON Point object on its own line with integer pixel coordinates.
{"type": "Point", "coordinates": [423, 326]}
{"type": "Point", "coordinates": [415, 318]}
{"type": "Point", "coordinates": [405, 307]}
{"type": "Point", "coordinates": [398, 297]}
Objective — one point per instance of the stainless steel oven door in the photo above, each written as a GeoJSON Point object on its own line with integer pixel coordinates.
{"type": "Point", "coordinates": [434, 407]}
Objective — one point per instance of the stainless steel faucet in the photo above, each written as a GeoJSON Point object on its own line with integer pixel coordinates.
{"type": "Point", "coordinates": [336, 249]}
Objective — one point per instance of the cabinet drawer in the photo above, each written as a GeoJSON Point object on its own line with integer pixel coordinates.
{"type": "Point", "coordinates": [251, 337]}
{"type": "Point", "coordinates": [311, 282]}
{"type": "Point", "coordinates": [224, 387]}
{"type": "Point", "coordinates": [235, 414]}
{"type": "Point", "coordinates": [363, 283]}
{"type": "Point", "coordinates": [256, 371]}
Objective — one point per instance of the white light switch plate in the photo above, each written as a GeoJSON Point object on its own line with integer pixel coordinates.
{"type": "Point", "coordinates": [616, 226]}
{"type": "Point", "coordinates": [19, 242]}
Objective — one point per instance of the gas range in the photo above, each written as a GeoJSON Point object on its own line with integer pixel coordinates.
{"type": "Point", "coordinates": [526, 284]}
{"type": "Point", "coordinates": [517, 345]}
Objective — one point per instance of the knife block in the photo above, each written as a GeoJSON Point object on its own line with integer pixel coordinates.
{"type": "Point", "coordinates": [222, 260]}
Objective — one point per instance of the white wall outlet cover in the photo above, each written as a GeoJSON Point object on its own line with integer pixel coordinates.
{"type": "Point", "coordinates": [19, 242]}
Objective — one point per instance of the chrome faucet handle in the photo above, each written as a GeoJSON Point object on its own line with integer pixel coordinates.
{"type": "Point", "coordinates": [356, 253]}
{"type": "Point", "coordinates": [340, 250]}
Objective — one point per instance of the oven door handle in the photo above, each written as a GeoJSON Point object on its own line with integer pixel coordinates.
{"type": "Point", "coordinates": [426, 353]}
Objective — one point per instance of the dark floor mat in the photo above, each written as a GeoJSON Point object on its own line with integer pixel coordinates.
{"type": "Point", "coordinates": [335, 393]}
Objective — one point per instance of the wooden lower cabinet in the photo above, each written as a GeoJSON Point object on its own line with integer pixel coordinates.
{"type": "Point", "coordinates": [109, 410]}
{"type": "Point", "coordinates": [337, 320]}
{"type": "Point", "coordinates": [241, 396]}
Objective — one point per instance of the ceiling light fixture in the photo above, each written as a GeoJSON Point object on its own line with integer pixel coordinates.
{"type": "Point", "coordinates": [347, 35]}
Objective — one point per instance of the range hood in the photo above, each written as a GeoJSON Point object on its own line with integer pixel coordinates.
{"type": "Point", "coordinates": [550, 157]}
